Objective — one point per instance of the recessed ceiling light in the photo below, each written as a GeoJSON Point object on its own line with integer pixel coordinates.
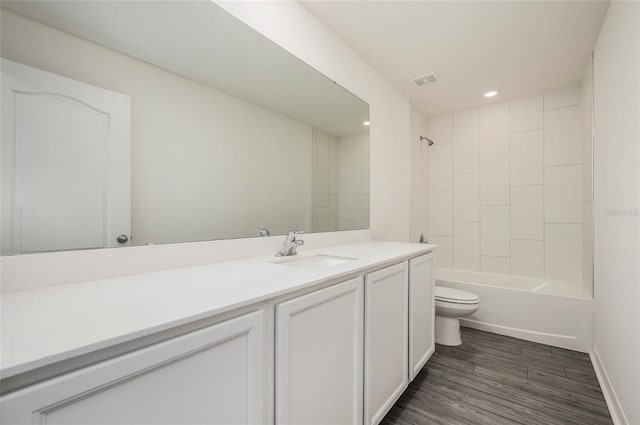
{"type": "Point", "coordinates": [367, 123]}
{"type": "Point", "coordinates": [490, 93]}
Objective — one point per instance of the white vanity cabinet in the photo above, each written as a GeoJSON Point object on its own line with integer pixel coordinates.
{"type": "Point", "coordinates": [339, 349]}
{"type": "Point", "coordinates": [386, 340]}
{"type": "Point", "coordinates": [319, 356]}
{"type": "Point", "coordinates": [421, 312]}
{"type": "Point", "coordinates": [214, 375]}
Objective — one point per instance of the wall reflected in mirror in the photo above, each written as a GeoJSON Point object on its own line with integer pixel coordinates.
{"type": "Point", "coordinates": [227, 132]}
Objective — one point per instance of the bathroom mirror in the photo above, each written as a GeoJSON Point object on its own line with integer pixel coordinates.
{"type": "Point", "coordinates": [131, 123]}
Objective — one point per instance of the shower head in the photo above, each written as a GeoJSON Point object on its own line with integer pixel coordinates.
{"type": "Point", "coordinates": [429, 141]}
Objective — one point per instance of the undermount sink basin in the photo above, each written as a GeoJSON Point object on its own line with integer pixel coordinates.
{"type": "Point", "coordinates": [315, 261]}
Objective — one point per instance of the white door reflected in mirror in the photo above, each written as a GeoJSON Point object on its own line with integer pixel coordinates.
{"type": "Point", "coordinates": [66, 163]}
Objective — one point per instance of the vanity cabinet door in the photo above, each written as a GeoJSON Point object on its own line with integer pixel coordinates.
{"type": "Point", "coordinates": [213, 376]}
{"type": "Point", "coordinates": [421, 312]}
{"type": "Point", "coordinates": [386, 340]}
{"type": "Point", "coordinates": [319, 343]}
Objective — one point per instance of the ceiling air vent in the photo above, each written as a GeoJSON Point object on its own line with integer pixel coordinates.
{"type": "Point", "coordinates": [423, 80]}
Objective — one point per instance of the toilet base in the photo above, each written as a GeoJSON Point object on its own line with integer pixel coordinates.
{"type": "Point", "coordinates": [448, 331]}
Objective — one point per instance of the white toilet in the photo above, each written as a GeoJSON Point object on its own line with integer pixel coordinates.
{"type": "Point", "coordinates": [451, 305]}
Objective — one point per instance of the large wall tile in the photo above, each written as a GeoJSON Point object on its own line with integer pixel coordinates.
{"type": "Point", "coordinates": [563, 194]}
{"type": "Point", "coordinates": [334, 175]}
{"type": "Point", "coordinates": [562, 97]}
{"type": "Point", "coordinates": [441, 167]}
{"type": "Point", "coordinates": [495, 264]}
{"type": "Point", "coordinates": [526, 114]}
{"type": "Point", "coordinates": [494, 129]}
{"type": "Point", "coordinates": [466, 246]}
{"type": "Point", "coordinates": [527, 158]}
{"type": "Point", "coordinates": [346, 164]}
{"type": "Point", "coordinates": [322, 187]}
{"type": "Point", "coordinates": [419, 212]}
{"type": "Point", "coordinates": [495, 234]}
{"type": "Point", "coordinates": [441, 129]}
{"type": "Point", "coordinates": [362, 144]}
{"type": "Point", "coordinates": [416, 226]}
{"type": "Point", "coordinates": [466, 117]}
{"type": "Point", "coordinates": [587, 236]}
{"type": "Point", "coordinates": [322, 220]}
{"type": "Point", "coordinates": [417, 178]}
{"type": "Point", "coordinates": [334, 212]}
{"type": "Point", "coordinates": [441, 213]}
{"type": "Point", "coordinates": [418, 172]}
{"type": "Point", "coordinates": [426, 200]}
{"type": "Point", "coordinates": [563, 252]}
{"type": "Point", "coordinates": [334, 147]}
{"type": "Point", "coordinates": [587, 181]}
{"type": "Point", "coordinates": [321, 149]}
{"type": "Point", "coordinates": [494, 179]}
{"type": "Point", "coordinates": [362, 211]}
{"type": "Point", "coordinates": [419, 200]}
{"type": "Point", "coordinates": [527, 258]}
{"type": "Point", "coordinates": [362, 175]}
{"type": "Point", "coordinates": [466, 197]}
{"type": "Point", "coordinates": [527, 212]}
{"type": "Point", "coordinates": [444, 252]}
{"type": "Point", "coordinates": [346, 224]}
{"type": "Point", "coordinates": [346, 197]}
{"type": "Point", "coordinates": [562, 136]}
{"type": "Point", "coordinates": [466, 149]}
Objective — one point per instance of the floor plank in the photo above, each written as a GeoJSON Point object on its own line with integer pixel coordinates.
{"type": "Point", "coordinates": [495, 379]}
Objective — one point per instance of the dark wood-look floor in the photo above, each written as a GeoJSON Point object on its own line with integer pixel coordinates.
{"type": "Point", "coordinates": [493, 379]}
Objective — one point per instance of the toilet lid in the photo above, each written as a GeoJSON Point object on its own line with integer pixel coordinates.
{"type": "Point", "coordinates": [455, 296]}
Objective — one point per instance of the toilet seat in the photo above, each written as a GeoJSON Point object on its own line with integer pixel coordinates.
{"type": "Point", "coordinates": [455, 296]}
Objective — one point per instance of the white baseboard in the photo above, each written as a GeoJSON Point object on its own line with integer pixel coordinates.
{"type": "Point", "coordinates": [615, 408]}
{"type": "Point", "coordinates": [563, 341]}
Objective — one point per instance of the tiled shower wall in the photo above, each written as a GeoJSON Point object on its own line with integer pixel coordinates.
{"type": "Point", "coordinates": [419, 175]}
{"type": "Point", "coordinates": [506, 187]}
{"type": "Point", "coordinates": [353, 181]}
{"type": "Point", "coordinates": [340, 179]}
{"type": "Point", "coordinates": [325, 181]}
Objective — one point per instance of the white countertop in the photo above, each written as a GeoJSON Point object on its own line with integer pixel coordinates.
{"type": "Point", "coordinates": [48, 325]}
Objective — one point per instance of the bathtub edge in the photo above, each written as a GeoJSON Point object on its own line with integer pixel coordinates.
{"type": "Point", "coordinates": [563, 341]}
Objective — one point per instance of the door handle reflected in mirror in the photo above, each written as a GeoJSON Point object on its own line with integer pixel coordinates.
{"type": "Point", "coordinates": [122, 239]}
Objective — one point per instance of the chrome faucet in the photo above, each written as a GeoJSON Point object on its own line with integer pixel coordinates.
{"type": "Point", "coordinates": [290, 244]}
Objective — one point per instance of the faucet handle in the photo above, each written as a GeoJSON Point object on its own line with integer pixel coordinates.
{"type": "Point", "coordinates": [290, 244]}
{"type": "Point", "coordinates": [263, 232]}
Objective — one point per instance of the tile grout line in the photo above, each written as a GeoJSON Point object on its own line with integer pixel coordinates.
{"type": "Point", "coordinates": [544, 209]}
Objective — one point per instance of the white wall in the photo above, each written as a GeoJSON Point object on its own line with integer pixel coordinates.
{"type": "Point", "coordinates": [187, 140]}
{"type": "Point", "coordinates": [291, 26]}
{"type": "Point", "coordinates": [616, 206]}
{"type": "Point", "coordinates": [506, 187]}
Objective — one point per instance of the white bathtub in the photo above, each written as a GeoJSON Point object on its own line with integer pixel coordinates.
{"type": "Point", "coordinates": [539, 310]}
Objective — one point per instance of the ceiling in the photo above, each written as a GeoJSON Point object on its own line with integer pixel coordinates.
{"type": "Point", "coordinates": [200, 41]}
{"type": "Point", "coordinates": [515, 47]}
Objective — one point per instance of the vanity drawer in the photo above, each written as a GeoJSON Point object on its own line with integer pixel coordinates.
{"type": "Point", "coordinates": [213, 375]}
